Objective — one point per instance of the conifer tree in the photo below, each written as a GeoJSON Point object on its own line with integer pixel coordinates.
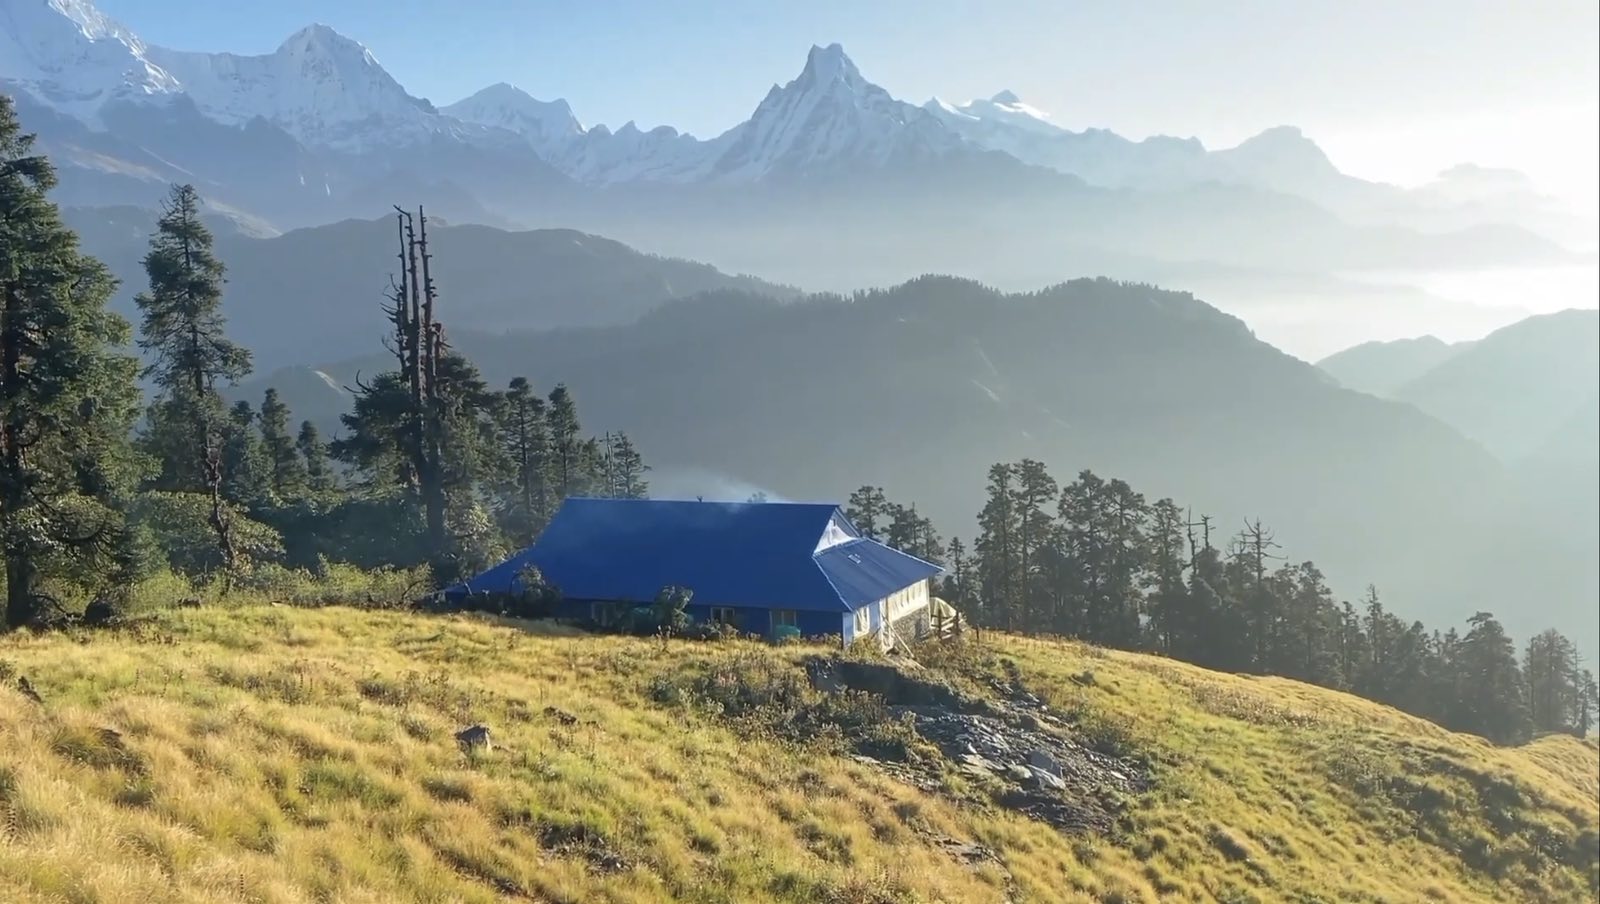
{"type": "Point", "coordinates": [246, 469]}
{"type": "Point", "coordinates": [627, 468]}
{"type": "Point", "coordinates": [998, 571]}
{"type": "Point", "coordinates": [1489, 693]}
{"type": "Point", "coordinates": [1167, 609]}
{"type": "Point", "coordinates": [67, 394]}
{"type": "Point", "coordinates": [287, 468]}
{"type": "Point", "coordinates": [314, 458]}
{"type": "Point", "coordinates": [182, 331]}
{"type": "Point", "coordinates": [1554, 678]}
{"type": "Point", "coordinates": [525, 444]}
{"type": "Point", "coordinates": [868, 509]}
{"type": "Point", "coordinates": [566, 447]}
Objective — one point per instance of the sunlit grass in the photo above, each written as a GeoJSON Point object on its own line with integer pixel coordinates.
{"type": "Point", "coordinates": [283, 754]}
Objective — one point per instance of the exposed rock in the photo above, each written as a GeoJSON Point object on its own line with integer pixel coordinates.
{"type": "Point", "coordinates": [189, 602]}
{"type": "Point", "coordinates": [1040, 759]}
{"type": "Point", "coordinates": [1023, 748]}
{"type": "Point", "coordinates": [1043, 779]}
{"type": "Point", "coordinates": [475, 737]}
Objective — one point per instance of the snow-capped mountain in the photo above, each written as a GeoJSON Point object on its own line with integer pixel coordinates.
{"type": "Point", "coordinates": [317, 130]}
{"type": "Point", "coordinates": [831, 118]}
{"type": "Point", "coordinates": [828, 119]}
{"type": "Point", "coordinates": [596, 155]}
{"type": "Point", "coordinates": [69, 56]}
{"type": "Point", "coordinates": [549, 126]}
{"type": "Point", "coordinates": [319, 86]}
{"type": "Point", "coordinates": [1004, 109]}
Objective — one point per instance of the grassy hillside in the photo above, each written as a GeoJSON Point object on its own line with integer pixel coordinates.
{"type": "Point", "coordinates": [281, 754]}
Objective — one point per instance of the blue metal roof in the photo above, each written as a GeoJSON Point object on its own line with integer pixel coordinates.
{"type": "Point", "coordinates": [760, 555]}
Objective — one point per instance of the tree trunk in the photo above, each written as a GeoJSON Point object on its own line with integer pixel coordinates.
{"type": "Point", "coordinates": [219, 520]}
{"type": "Point", "coordinates": [21, 604]}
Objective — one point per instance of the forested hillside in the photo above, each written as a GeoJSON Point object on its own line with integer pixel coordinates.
{"type": "Point", "coordinates": [922, 387]}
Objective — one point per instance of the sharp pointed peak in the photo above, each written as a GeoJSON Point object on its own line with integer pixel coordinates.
{"type": "Point", "coordinates": [829, 63]}
{"type": "Point", "coordinates": [1006, 97]}
{"type": "Point", "coordinates": [320, 36]}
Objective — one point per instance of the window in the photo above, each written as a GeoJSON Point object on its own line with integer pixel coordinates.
{"type": "Point", "coordinates": [723, 615]}
{"type": "Point", "coordinates": [785, 618]}
{"type": "Point", "coordinates": [863, 621]}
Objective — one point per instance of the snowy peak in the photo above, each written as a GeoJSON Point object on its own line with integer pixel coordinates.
{"type": "Point", "coordinates": [1281, 157]}
{"type": "Point", "coordinates": [323, 88]}
{"type": "Point", "coordinates": [547, 125]}
{"type": "Point", "coordinates": [318, 40]}
{"type": "Point", "coordinates": [830, 65]}
{"type": "Point", "coordinates": [1003, 111]}
{"type": "Point", "coordinates": [830, 118]}
{"type": "Point", "coordinates": [72, 57]}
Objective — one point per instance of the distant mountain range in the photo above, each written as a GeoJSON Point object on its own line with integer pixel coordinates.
{"type": "Point", "coordinates": [1522, 391]}
{"type": "Point", "coordinates": [314, 294]}
{"type": "Point", "coordinates": [831, 178]}
{"type": "Point", "coordinates": [1380, 368]}
{"type": "Point", "coordinates": [921, 387]}
{"type": "Point", "coordinates": [1526, 393]}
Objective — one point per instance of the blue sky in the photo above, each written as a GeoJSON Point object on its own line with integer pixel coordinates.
{"type": "Point", "coordinates": [1392, 90]}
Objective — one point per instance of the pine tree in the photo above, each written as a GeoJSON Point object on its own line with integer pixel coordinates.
{"type": "Point", "coordinates": [868, 510]}
{"type": "Point", "coordinates": [1263, 600]}
{"type": "Point", "coordinates": [567, 468]}
{"type": "Point", "coordinates": [627, 469]}
{"type": "Point", "coordinates": [67, 394]}
{"type": "Point", "coordinates": [1033, 491]}
{"type": "Point", "coordinates": [1489, 696]}
{"type": "Point", "coordinates": [1551, 669]}
{"type": "Point", "coordinates": [246, 468]}
{"type": "Point", "coordinates": [997, 567]}
{"type": "Point", "coordinates": [1168, 598]}
{"type": "Point", "coordinates": [288, 469]}
{"type": "Point", "coordinates": [182, 331]}
{"type": "Point", "coordinates": [913, 534]}
{"type": "Point", "coordinates": [1587, 703]}
{"type": "Point", "coordinates": [525, 443]}
{"type": "Point", "coordinates": [958, 577]}
{"type": "Point", "coordinates": [314, 459]}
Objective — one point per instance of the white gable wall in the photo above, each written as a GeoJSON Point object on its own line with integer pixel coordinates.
{"type": "Point", "coordinates": [871, 618]}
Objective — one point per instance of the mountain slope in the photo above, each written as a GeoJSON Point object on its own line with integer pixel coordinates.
{"type": "Point", "coordinates": [320, 86]}
{"type": "Point", "coordinates": [334, 277]}
{"type": "Point", "coordinates": [301, 755]}
{"type": "Point", "coordinates": [1380, 368]}
{"type": "Point", "coordinates": [831, 181]}
{"type": "Point", "coordinates": [921, 388]}
{"type": "Point", "coordinates": [69, 55]}
{"type": "Point", "coordinates": [831, 118]}
{"type": "Point", "coordinates": [549, 126]}
{"type": "Point", "coordinates": [1516, 386]}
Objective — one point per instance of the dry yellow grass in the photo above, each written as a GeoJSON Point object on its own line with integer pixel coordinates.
{"type": "Point", "coordinates": [278, 754]}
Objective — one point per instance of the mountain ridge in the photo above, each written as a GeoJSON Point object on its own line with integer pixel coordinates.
{"type": "Point", "coordinates": [329, 92]}
{"type": "Point", "coordinates": [1119, 378]}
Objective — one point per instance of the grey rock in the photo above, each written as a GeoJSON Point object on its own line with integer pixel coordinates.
{"type": "Point", "coordinates": [1046, 780]}
{"type": "Point", "coordinates": [1040, 759]}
